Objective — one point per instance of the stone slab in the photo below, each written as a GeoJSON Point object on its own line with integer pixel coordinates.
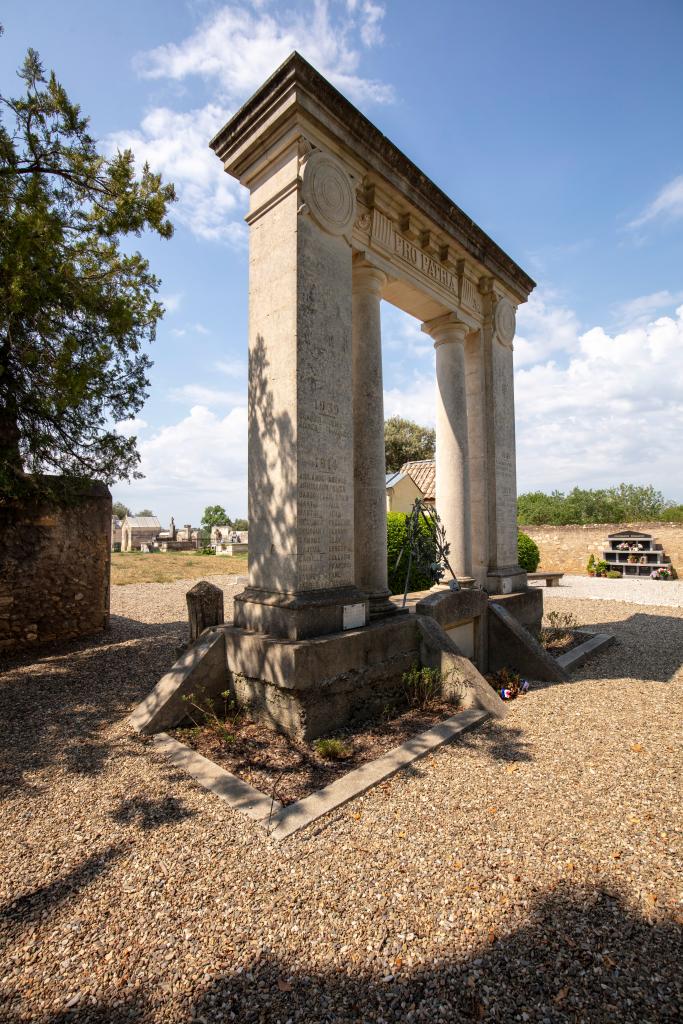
{"type": "Point", "coordinates": [239, 794]}
{"type": "Point", "coordinates": [461, 678]}
{"type": "Point", "coordinates": [304, 812]}
{"type": "Point", "coordinates": [525, 605]}
{"type": "Point", "coordinates": [511, 645]}
{"type": "Point", "coordinates": [595, 642]}
{"type": "Point", "coordinates": [202, 665]}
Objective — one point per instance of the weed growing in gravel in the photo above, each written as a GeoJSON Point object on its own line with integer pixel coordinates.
{"type": "Point", "coordinates": [559, 628]}
{"type": "Point", "coordinates": [422, 685]}
{"type": "Point", "coordinates": [221, 721]}
{"type": "Point", "coordinates": [332, 750]}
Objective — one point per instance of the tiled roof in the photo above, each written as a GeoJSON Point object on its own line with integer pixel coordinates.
{"type": "Point", "coordinates": [144, 522]}
{"type": "Point", "coordinates": [423, 475]}
{"type": "Point", "coordinates": [394, 478]}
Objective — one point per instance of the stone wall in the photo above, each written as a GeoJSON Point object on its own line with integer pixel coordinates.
{"type": "Point", "coordinates": [54, 570]}
{"type": "Point", "coordinates": [568, 548]}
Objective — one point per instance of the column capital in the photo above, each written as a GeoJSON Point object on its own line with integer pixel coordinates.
{"type": "Point", "coordinates": [368, 278]}
{"type": "Point", "coordinates": [445, 329]}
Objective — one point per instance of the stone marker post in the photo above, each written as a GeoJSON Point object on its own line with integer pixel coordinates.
{"type": "Point", "coordinates": [205, 608]}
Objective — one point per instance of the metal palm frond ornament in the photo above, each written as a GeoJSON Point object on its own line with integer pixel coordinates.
{"type": "Point", "coordinates": [427, 550]}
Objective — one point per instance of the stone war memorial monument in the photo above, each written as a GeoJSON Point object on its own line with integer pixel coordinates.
{"type": "Point", "coordinates": [339, 220]}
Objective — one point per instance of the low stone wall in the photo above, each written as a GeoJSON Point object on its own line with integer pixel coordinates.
{"type": "Point", "coordinates": [54, 570]}
{"type": "Point", "coordinates": [568, 548]}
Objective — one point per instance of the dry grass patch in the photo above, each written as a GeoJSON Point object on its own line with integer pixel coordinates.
{"type": "Point", "coordinates": [164, 567]}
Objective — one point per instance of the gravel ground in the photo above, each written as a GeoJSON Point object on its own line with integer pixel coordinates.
{"type": "Point", "coordinates": [662, 593]}
{"type": "Point", "coordinates": [527, 872]}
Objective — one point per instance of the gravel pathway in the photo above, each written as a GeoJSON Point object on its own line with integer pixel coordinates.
{"type": "Point", "coordinates": [525, 873]}
{"type": "Point", "coordinates": [662, 593]}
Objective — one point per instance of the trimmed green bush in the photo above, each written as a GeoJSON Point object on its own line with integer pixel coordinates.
{"type": "Point", "coordinates": [528, 554]}
{"type": "Point", "coordinates": [396, 538]}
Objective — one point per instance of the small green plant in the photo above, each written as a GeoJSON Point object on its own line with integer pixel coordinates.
{"type": "Point", "coordinates": [601, 568]}
{"type": "Point", "coordinates": [422, 685]}
{"type": "Point", "coordinates": [613, 575]}
{"type": "Point", "coordinates": [331, 749]}
{"type": "Point", "coordinates": [206, 550]}
{"type": "Point", "coordinates": [528, 554]}
{"type": "Point", "coordinates": [221, 721]}
{"type": "Point", "coordinates": [590, 567]}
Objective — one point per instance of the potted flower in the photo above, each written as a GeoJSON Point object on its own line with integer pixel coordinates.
{"type": "Point", "coordinates": [590, 568]}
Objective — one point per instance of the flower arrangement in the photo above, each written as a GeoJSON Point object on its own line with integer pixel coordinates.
{"type": "Point", "coordinates": [625, 546]}
{"type": "Point", "coordinates": [662, 573]}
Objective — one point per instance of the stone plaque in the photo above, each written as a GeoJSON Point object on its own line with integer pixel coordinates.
{"type": "Point", "coordinates": [354, 616]}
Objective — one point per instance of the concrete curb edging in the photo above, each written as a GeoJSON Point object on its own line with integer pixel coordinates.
{"type": "Point", "coordinates": [281, 822]}
{"type": "Point", "coordinates": [594, 643]}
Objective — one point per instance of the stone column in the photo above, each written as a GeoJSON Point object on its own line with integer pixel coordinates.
{"type": "Point", "coordinates": [452, 470]}
{"type": "Point", "coordinates": [369, 466]}
{"type": "Point", "coordinates": [300, 410]}
{"type": "Point", "coordinates": [504, 573]}
{"type": "Point", "coordinates": [476, 441]}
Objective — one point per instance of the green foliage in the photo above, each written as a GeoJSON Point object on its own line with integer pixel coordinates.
{"type": "Point", "coordinates": [331, 749]}
{"type": "Point", "coordinates": [397, 532]}
{"type": "Point", "coordinates": [119, 509]}
{"type": "Point", "coordinates": [613, 574]}
{"type": "Point", "coordinates": [241, 525]}
{"type": "Point", "coordinates": [421, 685]}
{"type": "Point", "coordinates": [405, 441]}
{"type": "Point", "coordinates": [528, 554]}
{"type": "Point", "coordinates": [75, 309]}
{"type": "Point", "coordinates": [625, 503]}
{"type": "Point", "coordinates": [590, 565]}
{"type": "Point", "coordinates": [145, 512]}
{"type": "Point", "coordinates": [215, 515]}
{"type": "Point", "coordinates": [219, 715]}
{"type": "Point", "coordinates": [601, 567]}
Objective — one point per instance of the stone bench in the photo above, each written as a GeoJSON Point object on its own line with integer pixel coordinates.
{"type": "Point", "coordinates": [552, 579]}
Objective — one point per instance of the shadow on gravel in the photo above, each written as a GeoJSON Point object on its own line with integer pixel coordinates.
{"type": "Point", "coordinates": [29, 909]}
{"type": "Point", "coordinates": [151, 814]}
{"type": "Point", "coordinates": [651, 645]}
{"type": "Point", "coordinates": [500, 740]}
{"type": "Point", "coordinates": [56, 705]}
{"type": "Point", "coordinates": [582, 956]}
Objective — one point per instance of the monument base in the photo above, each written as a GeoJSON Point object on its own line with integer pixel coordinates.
{"type": "Point", "coordinates": [510, 579]}
{"type": "Point", "coordinates": [313, 613]}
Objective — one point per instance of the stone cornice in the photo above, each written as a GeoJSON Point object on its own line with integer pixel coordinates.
{"type": "Point", "coordinates": [296, 84]}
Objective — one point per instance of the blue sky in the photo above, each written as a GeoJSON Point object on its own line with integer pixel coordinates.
{"type": "Point", "coordinates": [556, 127]}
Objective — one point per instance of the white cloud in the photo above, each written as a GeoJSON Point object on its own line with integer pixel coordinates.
{"type": "Point", "coordinates": [615, 412]}
{"type": "Point", "coordinates": [642, 309]}
{"type": "Point", "coordinates": [603, 408]}
{"type": "Point", "coordinates": [130, 427]}
{"type": "Point", "coordinates": [211, 203]}
{"type": "Point", "coordinates": [240, 45]}
{"type": "Point", "coordinates": [236, 370]}
{"type": "Point", "coordinates": [234, 50]}
{"type": "Point", "coordinates": [171, 301]}
{"type": "Point", "coordinates": [181, 332]}
{"type": "Point", "coordinates": [208, 396]}
{"type": "Point", "coordinates": [198, 461]}
{"type": "Point", "coordinates": [544, 329]}
{"type": "Point", "coordinates": [667, 204]}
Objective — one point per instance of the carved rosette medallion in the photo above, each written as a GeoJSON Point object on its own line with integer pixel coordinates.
{"type": "Point", "coordinates": [328, 193]}
{"type": "Point", "coordinates": [505, 322]}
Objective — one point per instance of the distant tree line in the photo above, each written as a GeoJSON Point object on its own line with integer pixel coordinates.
{"type": "Point", "coordinates": [625, 503]}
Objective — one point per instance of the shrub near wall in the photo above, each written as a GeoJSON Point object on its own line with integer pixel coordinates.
{"type": "Point", "coordinates": [568, 548]}
{"type": "Point", "coordinates": [54, 569]}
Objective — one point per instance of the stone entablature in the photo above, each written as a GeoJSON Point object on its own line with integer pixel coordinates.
{"type": "Point", "coordinates": [297, 102]}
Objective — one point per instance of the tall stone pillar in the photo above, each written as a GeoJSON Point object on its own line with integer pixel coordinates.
{"type": "Point", "coordinates": [300, 409]}
{"type": "Point", "coordinates": [476, 440]}
{"type": "Point", "coordinates": [504, 573]}
{"type": "Point", "coordinates": [369, 477]}
{"type": "Point", "coordinates": [452, 470]}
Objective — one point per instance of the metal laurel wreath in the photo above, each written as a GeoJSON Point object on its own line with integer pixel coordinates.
{"type": "Point", "coordinates": [429, 551]}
